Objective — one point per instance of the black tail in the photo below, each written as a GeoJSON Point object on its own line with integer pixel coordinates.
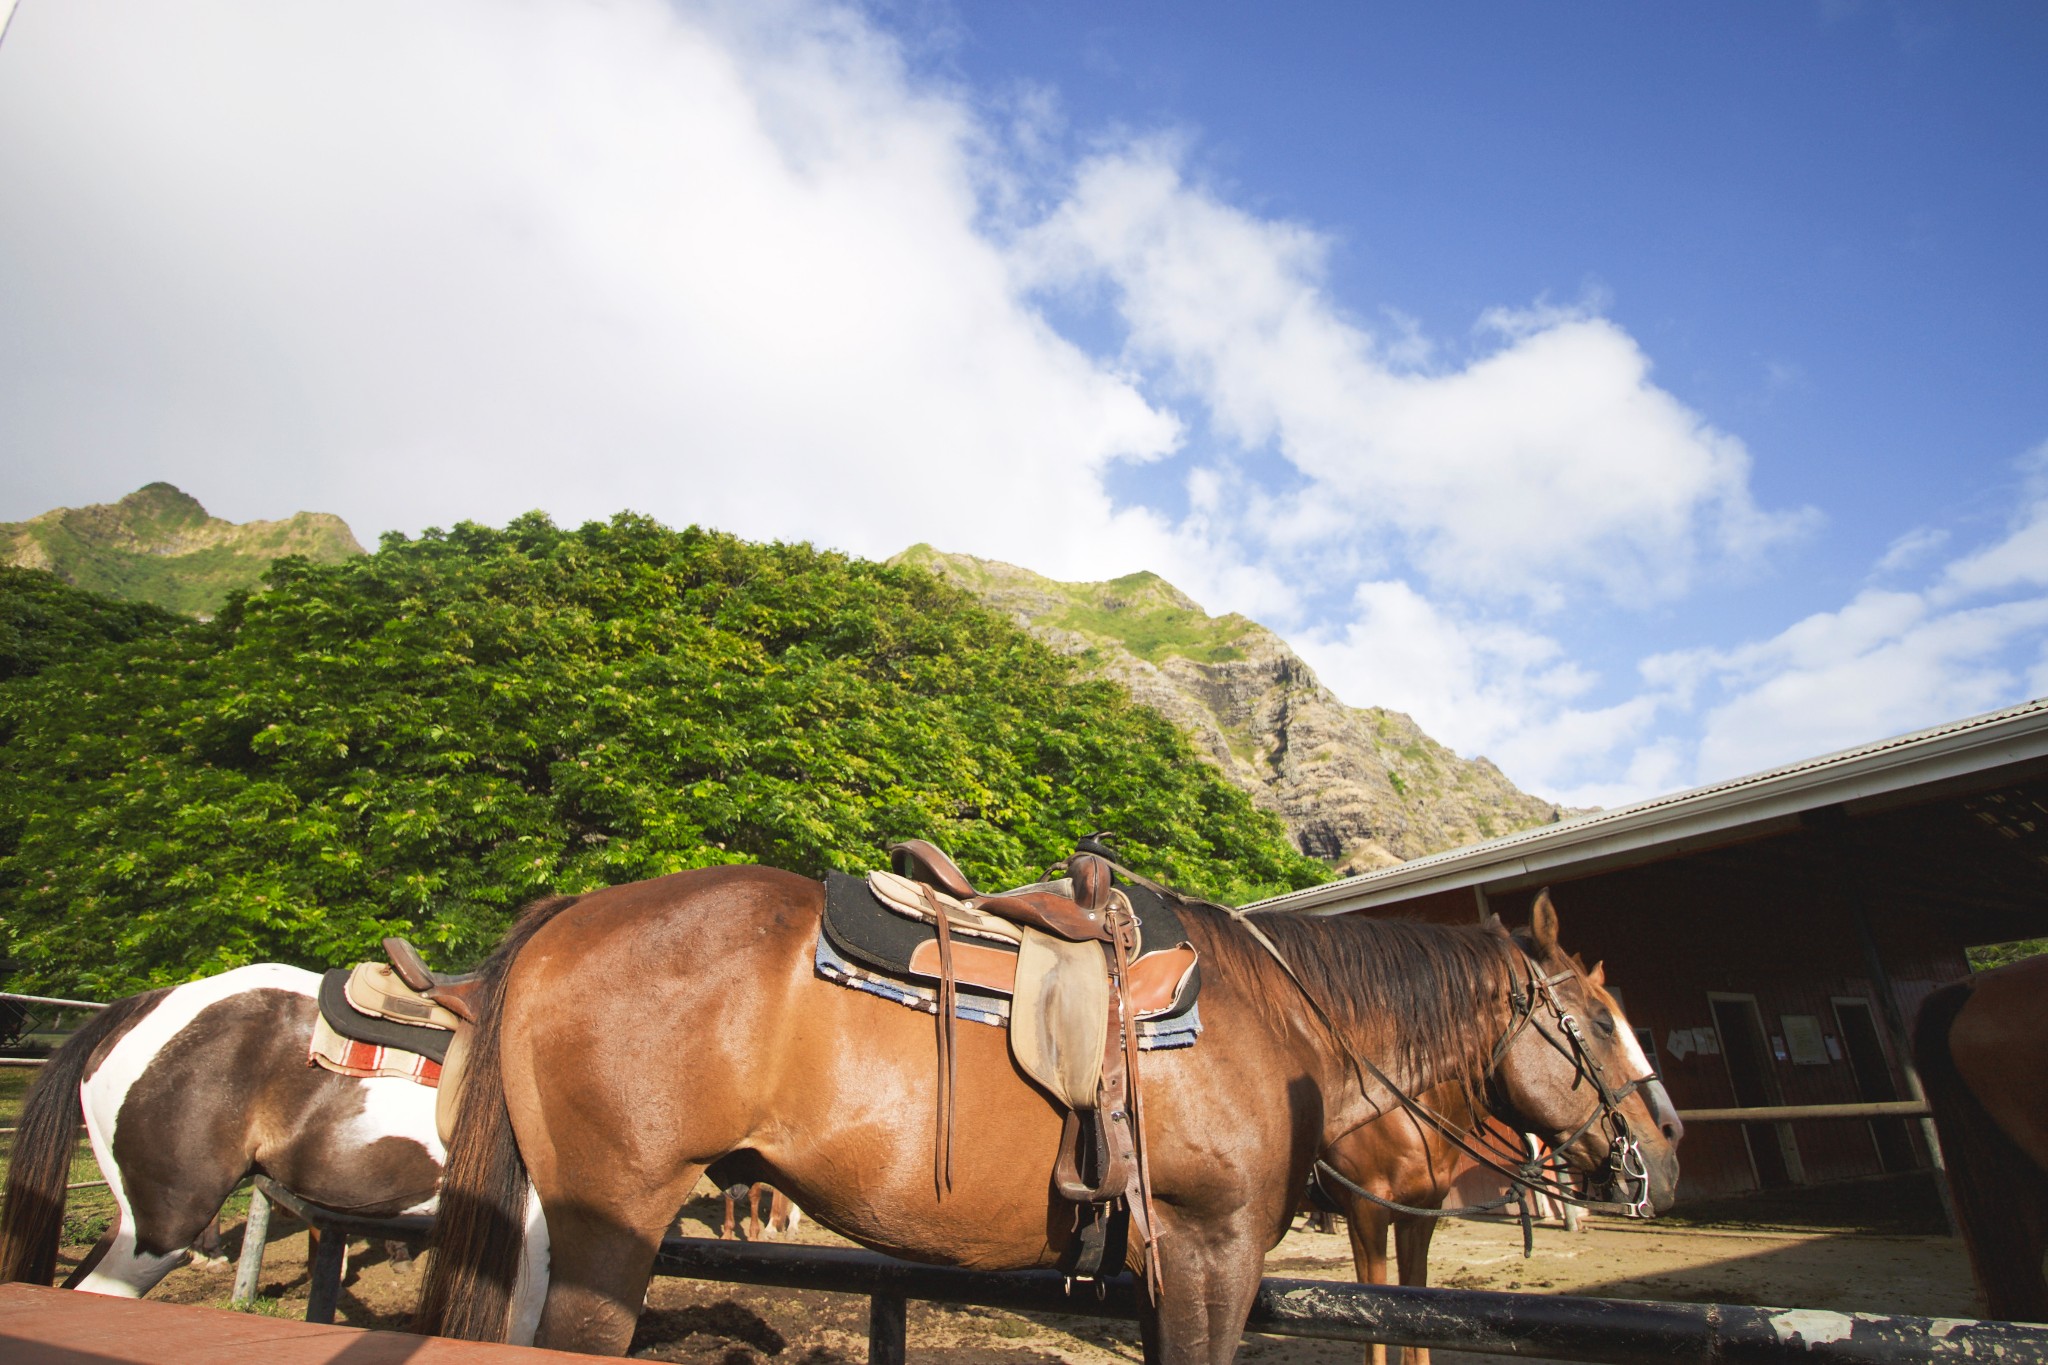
{"type": "Point", "coordinates": [44, 1144]}
{"type": "Point", "coordinates": [2001, 1196]}
{"type": "Point", "coordinates": [482, 1223]}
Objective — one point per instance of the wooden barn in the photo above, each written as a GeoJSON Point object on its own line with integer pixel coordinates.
{"type": "Point", "coordinates": [1773, 935]}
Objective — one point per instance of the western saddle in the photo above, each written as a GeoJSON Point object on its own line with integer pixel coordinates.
{"type": "Point", "coordinates": [1102, 1159]}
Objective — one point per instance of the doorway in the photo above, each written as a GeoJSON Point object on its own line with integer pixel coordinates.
{"type": "Point", "coordinates": [1772, 1154]}
{"type": "Point", "coordinates": [1865, 1051]}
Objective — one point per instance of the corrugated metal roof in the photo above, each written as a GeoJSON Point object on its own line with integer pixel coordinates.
{"type": "Point", "coordinates": [1710, 813]}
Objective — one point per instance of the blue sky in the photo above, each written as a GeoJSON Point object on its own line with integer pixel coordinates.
{"type": "Point", "coordinates": [1636, 394]}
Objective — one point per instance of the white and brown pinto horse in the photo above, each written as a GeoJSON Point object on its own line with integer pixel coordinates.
{"type": "Point", "coordinates": [634, 1037]}
{"type": "Point", "coordinates": [184, 1093]}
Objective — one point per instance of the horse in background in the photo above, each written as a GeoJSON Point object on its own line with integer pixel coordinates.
{"type": "Point", "coordinates": [1981, 1045]}
{"type": "Point", "coordinates": [184, 1093]}
{"type": "Point", "coordinates": [1403, 1160]}
{"type": "Point", "coordinates": [575, 1088]}
{"type": "Point", "coordinates": [783, 1216]}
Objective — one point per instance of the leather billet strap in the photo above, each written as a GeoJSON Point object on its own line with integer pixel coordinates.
{"type": "Point", "coordinates": [942, 1145]}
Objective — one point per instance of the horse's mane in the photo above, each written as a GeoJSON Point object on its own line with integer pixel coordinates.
{"type": "Point", "coordinates": [1409, 996]}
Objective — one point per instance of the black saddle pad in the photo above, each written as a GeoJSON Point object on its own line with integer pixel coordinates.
{"type": "Point", "coordinates": [865, 931]}
{"type": "Point", "coordinates": [351, 1022]}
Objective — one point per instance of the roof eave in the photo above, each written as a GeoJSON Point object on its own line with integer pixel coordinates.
{"type": "Point", "coordinates": [1748, 807]}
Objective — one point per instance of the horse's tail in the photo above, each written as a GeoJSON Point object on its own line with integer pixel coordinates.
{"type": "Point", "coordinates": [44, 1143]}
{"type": "Point", "coordinates": [1999, 1193]}
{"type": "Point", "coordinates": [480, 1229]}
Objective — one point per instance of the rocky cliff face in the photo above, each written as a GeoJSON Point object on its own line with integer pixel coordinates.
{"type": "Point", "coordinates": [1357, 787]}
{"type": "Point", "coordinates": [159, 545]}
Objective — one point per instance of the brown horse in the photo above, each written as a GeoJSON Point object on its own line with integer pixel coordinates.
{"type": "Point", "coordinates": [1401, 1159]}
{"type": "Point", "coordinates": [1404, 1160]}
{"type": "Point", "coordinates": [615, 1063]}
{"type": "Point", "coordinates": [1982, 1048]}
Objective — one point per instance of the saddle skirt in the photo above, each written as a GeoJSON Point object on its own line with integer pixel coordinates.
{"type": "Point", "coordinates": [372, 1024]}
{"type": "Point", "coordinates": [1053, 994]}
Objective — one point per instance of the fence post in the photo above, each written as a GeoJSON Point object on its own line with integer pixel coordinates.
{"type": "Point", "coordinates": [329, 1251]}
{"type": "Point", "coordinates": [887, 1329]}
{"type": "Point", "coordinates": [255, 1232]}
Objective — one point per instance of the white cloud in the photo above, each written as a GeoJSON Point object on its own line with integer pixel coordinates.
{"type": "Point", "coordinates": [1481, 686]}
{"type": "Point", "coordinates": [720, 265]}
{"type": "Point", "coordinates": [1911, 548]}
{"type": "Point", "coordinates": [1546, 465]}
{"type": "Point", "coordinates": [1886, 663]}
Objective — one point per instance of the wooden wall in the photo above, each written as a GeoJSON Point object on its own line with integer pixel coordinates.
{"type": "Point", "coordinates": [1772, 920]}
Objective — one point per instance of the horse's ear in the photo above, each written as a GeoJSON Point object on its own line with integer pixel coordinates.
{"type": "Point", "coordinates": [1492, 921]}
{"type": "Point", "coordinates": [1598, 976]}
{"type": "Point", "coordinates": [1543, 923]}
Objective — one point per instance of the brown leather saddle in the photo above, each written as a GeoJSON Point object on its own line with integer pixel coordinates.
{"type": "Point", "coordinates": [1102, 1166]}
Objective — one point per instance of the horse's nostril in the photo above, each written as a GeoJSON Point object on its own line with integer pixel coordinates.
{"type": "Point", "coordinates": [1671, 1130]}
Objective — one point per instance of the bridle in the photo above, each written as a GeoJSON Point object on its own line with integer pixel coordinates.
{"type": "Point", "coordinates": [1529, 998]}
{"type": "Point", "coordinates": [1625, 1165]}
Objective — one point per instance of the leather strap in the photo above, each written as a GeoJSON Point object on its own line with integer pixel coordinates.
{"type": "Point", "coordinates": [942, 1145]}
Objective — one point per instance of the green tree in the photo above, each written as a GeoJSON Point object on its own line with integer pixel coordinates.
{"type": "Point", "coordinates": [1990, 955]}
{"type": "Point", "coordinates": [420, 740]}
{"type": "Point", "coordinates": [44, 621]}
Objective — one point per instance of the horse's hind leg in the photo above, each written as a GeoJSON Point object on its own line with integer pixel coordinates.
{"type": "Point", "coordinates": [156, 1220]}
{"type": "Point", "coordinates": [601, 1255]}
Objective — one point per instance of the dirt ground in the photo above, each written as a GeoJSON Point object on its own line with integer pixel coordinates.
{"type": "Point", "coordinates": [1750, 1262]}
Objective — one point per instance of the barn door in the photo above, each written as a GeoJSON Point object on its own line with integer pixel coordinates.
{"type": "Point", "coordinates": [1744, 1052]}
{"type": "Point", "coordinates": [1873, 1080]}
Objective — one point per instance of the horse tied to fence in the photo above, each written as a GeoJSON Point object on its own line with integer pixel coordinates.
{"type": "Point", "coordinates": [187, 1091]}
{"type": "Point", "coordinates": [1981, 1045]}
{"type": "Point", "coordinates": [633, 1038]}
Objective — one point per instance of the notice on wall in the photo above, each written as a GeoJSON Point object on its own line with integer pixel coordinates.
{"type": "Point", "coordinates": [1803, 1037]}
{"type": "Point", "coordinates": [1706, 1042]}
{"type": "Point", "coordinates": [1679, 1044]}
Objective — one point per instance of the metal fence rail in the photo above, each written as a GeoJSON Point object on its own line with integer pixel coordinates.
{"type": "Point", "coordinates": [1557, 1327]}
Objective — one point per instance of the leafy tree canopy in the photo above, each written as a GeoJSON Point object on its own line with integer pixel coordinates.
{"type": "Point", "coordinates": [421, 740]}
{"type": "Point", "coordinates": [44, 620]}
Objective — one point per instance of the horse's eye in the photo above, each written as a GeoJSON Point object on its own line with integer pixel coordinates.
{"type": "Point", "coordinates": [1606, 1023]}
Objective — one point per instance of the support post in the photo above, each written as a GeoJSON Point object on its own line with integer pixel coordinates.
{"type": "Point", "coordinates": [255, 1232]}
{"type": "Point", "coordinates": [887, 1329]}
{"type": "Point", "coordinates": [328, 1251]}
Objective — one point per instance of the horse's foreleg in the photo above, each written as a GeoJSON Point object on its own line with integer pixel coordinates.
{"type": "Point", "coordinates": [1368, 1225]}
{"type": "Point", "coordinates": [1411, 1252]}
{"type": "Point", "coordinates": [1208, 1279]}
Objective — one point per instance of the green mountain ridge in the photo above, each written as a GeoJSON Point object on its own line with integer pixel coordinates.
{"type": "Point", "coordinates": [1358, 787]}
{"type": "Point", "coordinates": [159, 545]}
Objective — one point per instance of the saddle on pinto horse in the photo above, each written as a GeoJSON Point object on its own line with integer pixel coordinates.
{"type": "Point", "coordinates": [398, 1019]}
{"type": "Point", "coordinates": [1080, 973]}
